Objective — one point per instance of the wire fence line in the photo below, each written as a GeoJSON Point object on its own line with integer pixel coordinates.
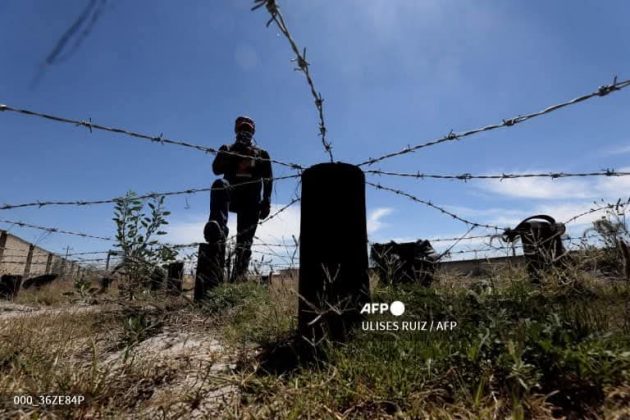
{"type": "Point", "coordinates": [619, 207]}
{"type": "Point", "coordinates": [234, 237]}
{"type": "Point", "coordinates": [72, 254]}
{"type": "Point", "coordinates": [136, 135]}
{"type": "Point", "coordinates": [282, 245]}
{"type": "Point", "coordinates": [452, 136]}
{"type": "Point", "coordinates": [496, 249]}
{"type": "Point", "coordinates": [430, 204]}
{"type": "Point", "coordinates": [54, 230]}
{"type": "Point", "coordinates": [301, 65]}
{"type": "Point", "coordinates": [141, 197]}
{"type": "Point", "coordinates": [289, 257]}
{"type": "Point", "coordinates": [79, 30]}
{"type": "Point", "coordinates": [467, 176]}
{"type": "Point", "coordinates": [261, 222]}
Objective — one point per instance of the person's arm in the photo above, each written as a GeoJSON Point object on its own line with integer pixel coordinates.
{"type": "Point", "coordinates": [221, 161]}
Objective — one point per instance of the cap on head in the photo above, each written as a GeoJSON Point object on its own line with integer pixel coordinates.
{"type": "Point", "coordinates": [244, 123]}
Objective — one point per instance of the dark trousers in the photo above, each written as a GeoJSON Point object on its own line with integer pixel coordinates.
{"type": "Point", "coordinates": [245, 202]}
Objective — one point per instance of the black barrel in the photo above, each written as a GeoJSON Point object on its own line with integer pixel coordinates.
{"type": "Point", "coordinates": [175, 277]}
{"type": "Point", "coordinates": [334, 282]}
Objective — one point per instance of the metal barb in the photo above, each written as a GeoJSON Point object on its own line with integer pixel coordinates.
{"type": "Point", "coordinates": [302, 66]}
{"type": "Point", "coordinates": [136, 135]}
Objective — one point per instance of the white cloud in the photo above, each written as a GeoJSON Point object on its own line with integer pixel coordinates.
{"type": "Point", "coordinates": [509, 218]}
{"type": "Point", "coordinates": [559, 189]}
{"type": "Point", "coordinates": [275, 231]}
{"type": "Point", "coordinates": [278, 229]}
{"type": "Point", "coordinates": [537, 188]}
{"type": "Point", "coordinates": [619, 150]}
{"type": "Point", "coordinates": [374, 219]}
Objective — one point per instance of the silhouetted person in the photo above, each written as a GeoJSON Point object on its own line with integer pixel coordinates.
{"type": "Point", "coordinates": [239, 191]}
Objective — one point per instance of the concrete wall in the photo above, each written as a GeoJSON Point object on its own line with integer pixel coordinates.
{"type": "Point", "coordinates": [474, 267]}
{"type": "Point", "coordinates": [14, 258]}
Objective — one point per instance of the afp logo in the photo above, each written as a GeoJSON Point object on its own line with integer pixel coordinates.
{"type": "Point", "coordinates": [396, 308]}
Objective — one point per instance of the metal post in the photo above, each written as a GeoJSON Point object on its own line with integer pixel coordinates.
{"type": "Point", "coordinates": [210, 265]}
{"type": "Point", "coordinates": [109, 254]}
{"type": "Point", "coordinates": [175, 277]}
{"type": "Point", "coordinates": [3, 243]}
{"type": "Point", "coordinates": [334, 282]}
{"type": "Point", "coordinates": [29, 259]}
{"type": "Point", "coordinates": [48, 263]}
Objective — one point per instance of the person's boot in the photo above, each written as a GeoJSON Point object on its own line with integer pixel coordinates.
{"type": "Point", "coordinates": [213, 233]}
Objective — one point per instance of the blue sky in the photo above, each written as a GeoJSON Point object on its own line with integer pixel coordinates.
{"type": "Point", "coordinates": [392, 73]}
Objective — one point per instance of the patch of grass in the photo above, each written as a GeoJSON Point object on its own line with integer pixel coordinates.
{"type": "Point", "coordinates": [252, 313]}
{"type": "Point", "coordinates": [517, 350]}
{"type": "Point", "coordinates": [520, 351]}
{"type": "Point", "coordinates": [79, 354]}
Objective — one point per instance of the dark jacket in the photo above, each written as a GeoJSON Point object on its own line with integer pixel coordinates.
{"type": "Point", "coordinates": [237, 169]}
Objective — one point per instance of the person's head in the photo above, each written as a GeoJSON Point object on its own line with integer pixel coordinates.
{"type": "Point", "coordinates": [244, 127]}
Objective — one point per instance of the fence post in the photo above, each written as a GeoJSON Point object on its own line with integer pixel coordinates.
{"type": "Point", "coordinates": [109, 255]}
{"type": "Point", "coordinates": [175, 277]}
{"type": "Point", "coordinates": [3, 243]}
{"type": "Point", "coordinates": [334, 282]}
{"type": "Point", "coordinates": [29, 259]}
{"type": "Point", "coordinates": [210, 264]}
{"type": "Point", "coordinates": [48, 263]}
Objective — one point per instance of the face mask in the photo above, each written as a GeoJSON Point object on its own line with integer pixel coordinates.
{"type": "Point", "coordinates": [244, 137]}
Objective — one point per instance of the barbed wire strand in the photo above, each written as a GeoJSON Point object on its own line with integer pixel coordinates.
{"type": "Point", "coordinates": [447, 251]}
{"type": "Point", "coordinates": [54, 230]}
{"type": "Point", "coordinates": [234, 237]}
{"type": "Point", "coordinates": [261, 222]}
{"type": "Point", "coordinates": [301, 63]}
{"type": "Point", "coordinates": [43, 253]}
{"type": "Point", "coordinates": [467, 176]}
{"type": "Point", "coordinates": [133, 134]}
{"type": "Point", "coordinates": [141, 197]}
{"type": "Point", "coordinates": [452, 136]}
{"type": "Point", "coordinates": [430, 204]}
{"type": "Point", "coordinates": [619, 204]}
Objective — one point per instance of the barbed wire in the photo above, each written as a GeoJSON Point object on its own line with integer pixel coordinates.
{"type": "Point", "coordinates": [94, 8]}
{"type": "Point", "coordinates": [301, 63]}
{"type": "Point", "coordinates": [155, 139]}
{"type": "Point", "coordinates": [233, 237]}
{"type": "Point", "coordinates": [467, 176]}
{"type": "Point", "coordinates": [86, 20]}
{"type": "Point", "coordinates": [88, 253]}
{"type": "Point", "coordinates": [601, 91]}
{"type": "Point", "coordinates": [430, 204]}
{"type": "Point", "coordinates": [44, 253]}
{"type": "Point", "coordinates": [23, 262]}
{"type": "Point", "coordinates": [619, 204]}
{"type": "Point", "coordinates": [141, 197]}
{"type": "Point", "coordinates": [54, 230]}
{"type": "Point", "coordinates": [261, 222]}
{"type": "Point", "coordinates": [461, 239]}
{"type": "Point", "coordinates": [496, 249]}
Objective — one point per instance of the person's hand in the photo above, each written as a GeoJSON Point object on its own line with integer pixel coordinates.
{"type": "Point", "coordinates": [265, 209]}
{"type": "Point", "coordinates": [242, 149]}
